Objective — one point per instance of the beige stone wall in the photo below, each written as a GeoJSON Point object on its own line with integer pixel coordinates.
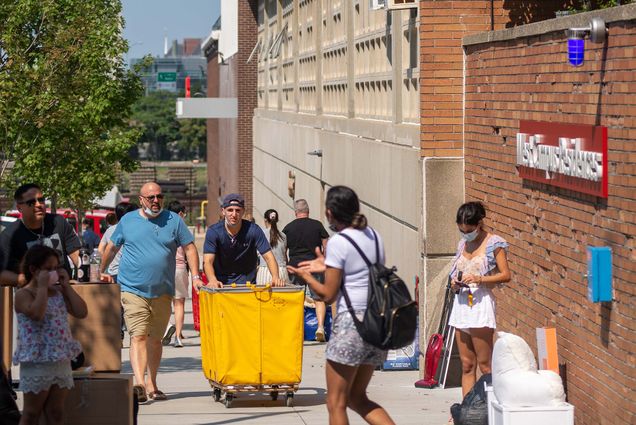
{"type": "Point", "coordinates": [385, 175]}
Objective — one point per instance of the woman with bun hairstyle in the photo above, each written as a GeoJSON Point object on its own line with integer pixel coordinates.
{"type": "Point", "coordinates": [480, 265]}
{"type": "Point", "coordinates": [350, 360]}
{"type": "Point", "coordinates": [278, 241]}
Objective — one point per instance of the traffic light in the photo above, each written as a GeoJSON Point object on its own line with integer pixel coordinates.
{"type": "Point", "coordinates": [187, 86]}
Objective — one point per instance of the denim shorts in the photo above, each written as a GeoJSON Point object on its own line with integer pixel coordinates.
{"type": "Point", "coordinates": [347, 347]}
{"type": "Point", "coordinates": [295, 280]}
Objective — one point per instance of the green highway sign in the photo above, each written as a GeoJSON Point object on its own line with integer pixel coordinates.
{"type": "Point", "coordinates": [167, 77]}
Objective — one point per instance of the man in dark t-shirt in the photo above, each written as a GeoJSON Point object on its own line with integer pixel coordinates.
{"type": "Point", "coordinates": [304, 235]}
{"type": "Point", "coordinates": [229, 251]}
{"type": "Point", "coordinates": [36, 227]}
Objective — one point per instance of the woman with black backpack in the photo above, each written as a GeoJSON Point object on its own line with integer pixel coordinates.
{"type": "Point", "coordinates": [350, 360]}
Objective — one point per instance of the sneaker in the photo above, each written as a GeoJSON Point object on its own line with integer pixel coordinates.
{"type": "Point", "coordinates": [320, 335]}
{"type": "Point", "coordinates": [167, 337]}
{"type": "Point", "coordinates": [177, 342]}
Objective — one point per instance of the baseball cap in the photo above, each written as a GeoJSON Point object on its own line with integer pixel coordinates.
{"type": "Point", "coordinates": [233, 199]}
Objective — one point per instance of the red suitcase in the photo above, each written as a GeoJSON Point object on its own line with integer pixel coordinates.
{"type": "Point", "coordinates": [195, 304]}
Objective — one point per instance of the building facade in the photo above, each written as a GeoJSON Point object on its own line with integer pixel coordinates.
{"type": "Point", "coordinates": [338, 103]}
{"type": "Point", "coordinates": [513, 79]}
{"type": "Point", "coordinates": [231, 75]}
{"type": "Point", "coordinates": [169, 72]}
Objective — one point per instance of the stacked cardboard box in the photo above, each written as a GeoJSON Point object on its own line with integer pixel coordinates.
{"type": "Point", "coordinates": [102, 398]}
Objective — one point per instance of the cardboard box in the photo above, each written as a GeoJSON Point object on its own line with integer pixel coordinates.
{"type": "Point", "coordinates": [100, 332]}
{"type": "Point", "coordinates": [545, 415]}
{"type": "Point", "coordinates": [102, 399]}
{"type": "Point", "coordinates": [547, 353]}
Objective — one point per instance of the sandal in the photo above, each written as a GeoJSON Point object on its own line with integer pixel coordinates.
{"type": "Point", "coordinates": [140, 392]}
{"type": "Point", "coordinates": [157, 395]}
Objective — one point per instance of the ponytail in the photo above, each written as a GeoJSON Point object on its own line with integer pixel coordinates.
{"type": "Point", "coordinates": [359, 221]}
{"type": "Point", "coordinates": [271, 217]}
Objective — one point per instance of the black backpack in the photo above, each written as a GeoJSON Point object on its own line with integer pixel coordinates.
{"type": "Point", "coordinates": [390, 320]}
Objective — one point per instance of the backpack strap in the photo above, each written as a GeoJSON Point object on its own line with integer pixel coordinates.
{"type": "Point", "coordinates": [356, 321]}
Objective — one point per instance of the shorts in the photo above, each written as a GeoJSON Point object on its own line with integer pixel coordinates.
{"type": "Point", "coordinates": [347, 347]}
{"type": "Point", "coordinates": [295, 280]}
{"type": "Point", "coordinates": [36, 377]}
{"type": "Point", "coordinates": [146, 316]}
{"type": "Point", "coordinates": [263, 275]}
{"type": "Point", "coordinates": [181, 283]}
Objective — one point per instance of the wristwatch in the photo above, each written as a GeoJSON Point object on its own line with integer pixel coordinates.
{"type": "Point", "coordinates": [196, 276]}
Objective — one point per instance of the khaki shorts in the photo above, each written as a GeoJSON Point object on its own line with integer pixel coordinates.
{"type": "Point", "coordinates": [146, 316]}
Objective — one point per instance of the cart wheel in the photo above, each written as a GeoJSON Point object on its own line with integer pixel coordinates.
{"type": "Point", "coordinates": [274, 395]}
{"type": "Point", "coordinates": [228, 400]}
{"type": "Point", "coordinates": [289, 399]}
{"type": "Point", "coordinates": [216, 393]}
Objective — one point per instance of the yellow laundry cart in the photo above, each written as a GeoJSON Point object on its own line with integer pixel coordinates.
{"type": "Point", "coordinates": [252, 340]}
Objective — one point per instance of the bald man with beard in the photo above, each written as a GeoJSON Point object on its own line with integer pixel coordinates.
{"type": "Point", "coordinates": [150, 237]}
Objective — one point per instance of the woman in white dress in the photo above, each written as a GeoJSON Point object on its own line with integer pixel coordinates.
{"type": "Point", "coordinates": [480, 265]}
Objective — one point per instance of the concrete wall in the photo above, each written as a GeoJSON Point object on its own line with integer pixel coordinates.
{"type": "Point", "coordinates": [386, 176]}
{"type": "Point", "coordinates": [523, 74]}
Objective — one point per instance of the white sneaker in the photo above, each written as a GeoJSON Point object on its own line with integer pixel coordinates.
{"type": "Point", "coordinates": [177, 342]}
{"type": "Point", "coordinates": [167, 337]}
{"type": "Point", "coordinates": [320, 335]}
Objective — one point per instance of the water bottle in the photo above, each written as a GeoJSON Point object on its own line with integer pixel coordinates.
{"type": "Point", "coordinates": [95, 262]}
{"type": "Point", "coordinates": [84, 266]}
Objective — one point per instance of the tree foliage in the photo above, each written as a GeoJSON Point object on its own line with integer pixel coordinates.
{"type": "Point", "coordinates": [163, 135]}
{"type": "Point", "coordinates": [65, 96]}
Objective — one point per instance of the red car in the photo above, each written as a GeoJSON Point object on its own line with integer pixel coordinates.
{"type": "Point", "coordinates": [98, 216]}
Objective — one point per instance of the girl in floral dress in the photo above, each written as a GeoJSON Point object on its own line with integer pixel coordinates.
{"type": "Point", "coordinates": [45, 345]}
{"type": "Point", "coordinates": [480, 265]}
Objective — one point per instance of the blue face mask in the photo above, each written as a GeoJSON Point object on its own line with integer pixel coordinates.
{"type": "Point", "coordinates": [469, 237]}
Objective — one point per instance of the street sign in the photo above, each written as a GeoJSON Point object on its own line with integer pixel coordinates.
{"type": "Point", "coordinates": [166, 77]}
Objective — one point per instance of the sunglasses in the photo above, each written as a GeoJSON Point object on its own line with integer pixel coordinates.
{"type": "Point", "coordinates": [158, 197]}
{"type": "Point", "coordinates": [31, 202]}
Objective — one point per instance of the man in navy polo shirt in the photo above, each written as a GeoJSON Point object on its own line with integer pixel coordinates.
{"type": "Point", "coordinates": [229, 252]}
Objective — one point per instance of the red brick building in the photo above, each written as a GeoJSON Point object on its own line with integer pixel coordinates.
{"type": "Point", "coordinates": [231, 75]}
{"type": "Point", "coordinates": [503, 78]}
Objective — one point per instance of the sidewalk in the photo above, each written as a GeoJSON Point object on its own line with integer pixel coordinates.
{"type": "Point", "coordinates": [190, 397]}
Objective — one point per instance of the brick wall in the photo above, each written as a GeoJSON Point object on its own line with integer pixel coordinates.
{"type": "Point", "coordinates": [248, 29]}
{"type": "Point", "coordinates": [442, 26]}
{"type": "Point", "coordinates": [237, 78]}
{"type": "Point", "coordinates": [548, 228]}
{"type": "Point", "coordinates": [212, 126]}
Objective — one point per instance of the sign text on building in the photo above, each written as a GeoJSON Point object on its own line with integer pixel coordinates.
{"type": "Point", "coordinates": [571, 156]}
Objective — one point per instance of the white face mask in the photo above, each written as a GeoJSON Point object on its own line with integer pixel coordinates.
{"type": "Point", "coordinates": [469, 237]}
{"type": "Point", "coordinates": [151, 213]}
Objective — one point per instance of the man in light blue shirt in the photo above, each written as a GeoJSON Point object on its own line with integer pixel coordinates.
{"type": "Point", "coordinates": [150, 237]}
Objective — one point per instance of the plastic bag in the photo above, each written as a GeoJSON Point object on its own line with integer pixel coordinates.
{"type": "Point", "coordinates": [311, 324]}
{"type": "Point", "coordinates": [474, 407]}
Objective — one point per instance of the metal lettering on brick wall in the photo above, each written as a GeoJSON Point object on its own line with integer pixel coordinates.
{"type": "Point", "coordinates": [571, 156]}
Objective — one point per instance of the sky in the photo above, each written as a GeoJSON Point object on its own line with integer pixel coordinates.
{"type": "Point", "coordinates": [149, 21]}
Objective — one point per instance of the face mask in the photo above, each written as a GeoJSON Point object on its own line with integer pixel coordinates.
{"type": "Point", "coordinates": [469, 237]}
{"type": "Point", "coordinates": [151, 213]}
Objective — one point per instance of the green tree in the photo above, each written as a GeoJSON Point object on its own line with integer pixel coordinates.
{"type": "Point", "coordinates": [165, 136]}
{"type": "Point", "coordinates": [65, 96]}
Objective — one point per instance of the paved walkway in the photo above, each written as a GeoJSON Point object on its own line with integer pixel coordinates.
{"type": "Point", "coordinates": [190, 397]}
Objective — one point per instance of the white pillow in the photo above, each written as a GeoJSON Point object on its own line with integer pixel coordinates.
{"type": "Point", "coordinates": [511, 353]}
{"type": "Point", "coordinates": [522, 388]}
{"type": "Point", "coordinates": [515, 379]}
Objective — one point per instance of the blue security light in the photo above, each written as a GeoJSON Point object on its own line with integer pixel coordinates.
{"type": "Point", "coordinates": [597, 30]}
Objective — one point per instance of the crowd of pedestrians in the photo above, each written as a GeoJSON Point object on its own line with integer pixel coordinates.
{"type": "Point", "coordinates": [150, 253]}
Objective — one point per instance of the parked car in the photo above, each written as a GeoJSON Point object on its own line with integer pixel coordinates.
{"type": "Point", "coordinates": [98, 216]}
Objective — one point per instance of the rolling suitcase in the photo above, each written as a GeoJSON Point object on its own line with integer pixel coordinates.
{"type": "Point", "coordinates": [437, 348]}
